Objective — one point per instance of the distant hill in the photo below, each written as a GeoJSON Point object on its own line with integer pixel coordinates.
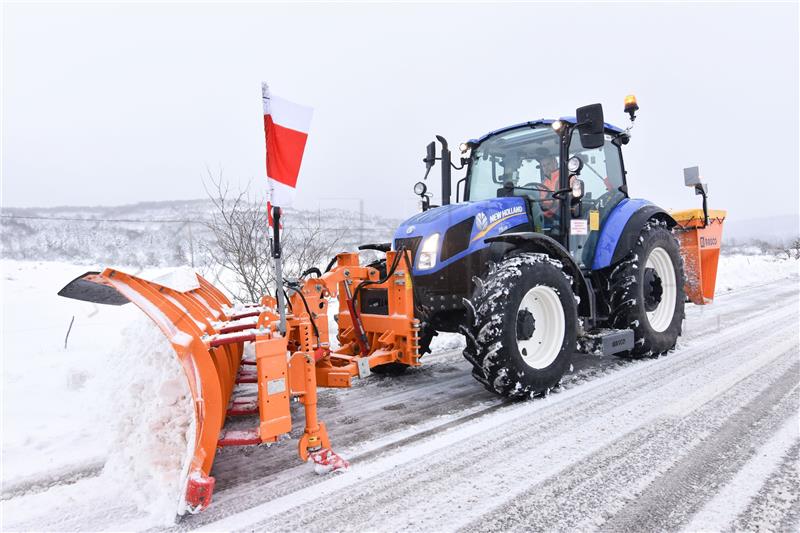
{"type": "Point", "coordinates": [774, 230]}
{"type": "Point", "coordinates": [155, 233]}
{"type": "Point", "coordinates": [176, 233]}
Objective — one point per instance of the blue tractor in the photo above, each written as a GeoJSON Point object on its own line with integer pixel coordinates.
{"type": "Point", "coordinates": [543, 254]}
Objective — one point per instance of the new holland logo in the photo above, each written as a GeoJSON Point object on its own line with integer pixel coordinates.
{"type": "Point", "coordinates": [410, 230]}
{"type": "Point", "coordinates": [497, 215]}
{"type": "Point", "coordinates": [481, 220]}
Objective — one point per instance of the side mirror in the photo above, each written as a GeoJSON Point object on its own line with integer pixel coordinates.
{"type": "Point", "coordinates": [691, 178]}
{"type": "Point", "coordinates": [590, 125]}
{"type": "Point", "coordinates": [430, 156]}
{"type": "Point", "coordinates": [429, 159]}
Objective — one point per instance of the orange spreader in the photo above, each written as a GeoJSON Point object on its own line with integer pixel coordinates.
{"type": "Point", "coordinates": [700, 248]}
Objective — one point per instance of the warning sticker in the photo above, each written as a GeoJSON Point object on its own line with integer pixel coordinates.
{"type": "Point", "coordinates": [578, 226]}
{"type": "Point", "coordinates": [276, 386]}
{"type": "Point", "coordinates": [594, 220]}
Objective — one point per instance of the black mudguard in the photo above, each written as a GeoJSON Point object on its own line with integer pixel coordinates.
{"type": "Point", "coordinates": [634, 227]}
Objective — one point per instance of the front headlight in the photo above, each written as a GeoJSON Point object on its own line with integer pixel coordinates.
{"type": "Point", "coordinates": [428, 251]}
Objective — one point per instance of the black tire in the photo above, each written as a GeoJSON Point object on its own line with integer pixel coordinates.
{"type": "Point", "coordinates": [497, 325]}
{"type": "Point", "coordinates": [634, 290]}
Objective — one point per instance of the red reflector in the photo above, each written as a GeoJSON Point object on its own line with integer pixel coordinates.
{"type": "Point", "coordinates": [198, 492]}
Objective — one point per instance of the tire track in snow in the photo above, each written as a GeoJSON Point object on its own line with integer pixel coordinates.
{"type": "Point", "coordinates": [584, 495]}
{"type": "Point", "coordinates": [362, 421]}
{"type": "Point", "coordinates": [777, 505]}
{"type": "Point", "coordinates": [767, 466]}
{"type": "Point", "coordinates": [60, 476]}
{"type": "Point", "coordinates": [680, 492]}
{"type": "Point", "coordinates": [616, 405]}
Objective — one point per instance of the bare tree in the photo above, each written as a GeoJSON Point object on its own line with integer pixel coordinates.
{"type": "Point", "coordinates": [241, 245]}
{"type": "Point", "coordinates": [796, 248]}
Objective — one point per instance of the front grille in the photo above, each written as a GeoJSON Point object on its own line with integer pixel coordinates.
{"type": "Point", "coordinates": [456, 239]}
{"type": "Point", "coordinates": [411, 244]}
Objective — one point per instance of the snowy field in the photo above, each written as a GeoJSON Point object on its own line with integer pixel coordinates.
{"type": "Point", "coordinates": [706, 438]}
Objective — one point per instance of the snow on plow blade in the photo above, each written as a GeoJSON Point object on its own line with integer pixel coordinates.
{"type": "Point", "coordinates": [185, 318]}
{"type": "Point", "coordinates": [700, 247]}
{"type": "Point", "coordinates": [208, 336]}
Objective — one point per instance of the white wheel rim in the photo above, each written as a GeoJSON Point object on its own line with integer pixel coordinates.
{"type": "Point", "coordinates": [661, 317]}
{"type": "Point", "coordinates": [548, 335]}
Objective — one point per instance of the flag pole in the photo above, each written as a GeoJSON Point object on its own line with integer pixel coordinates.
{"type": "Point", "coordinates": [276, 254]}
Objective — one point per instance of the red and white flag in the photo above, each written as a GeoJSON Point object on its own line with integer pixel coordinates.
{"type": "Point", "coordinates": [286, 127]}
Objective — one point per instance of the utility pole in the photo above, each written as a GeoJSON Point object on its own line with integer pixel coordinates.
{"type": "Point", "coordinates": [191, 245]}
{"type": "Point", "coordinates": [361, 220]}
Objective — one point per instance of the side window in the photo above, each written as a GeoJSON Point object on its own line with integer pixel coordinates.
{"type": "Point", "coordinates": [613, 164]}
{"type": "Point", "coordinates": [602, 167]}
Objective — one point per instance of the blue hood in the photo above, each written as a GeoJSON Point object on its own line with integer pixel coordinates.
{"type": "Point", "coordinates": [490, 217]}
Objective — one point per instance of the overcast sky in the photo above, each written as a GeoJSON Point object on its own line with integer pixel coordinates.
{"type": "Point", "coordinates": [118, 103]}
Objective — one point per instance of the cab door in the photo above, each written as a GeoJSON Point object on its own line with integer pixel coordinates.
{"type": "Point", "coordinates": [602, 175]}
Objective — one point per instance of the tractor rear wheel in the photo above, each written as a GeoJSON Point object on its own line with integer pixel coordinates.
{"type": "Point", "coordinates": [646, 292]}
{"type": "Point", "coordinates": [521, 335]}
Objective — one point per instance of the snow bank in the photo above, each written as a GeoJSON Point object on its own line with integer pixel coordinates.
{"type": "Point", "coordinates": [154, 422]}
{"type": "Point", "coordinates": [737, 271]}
{"type": "Point", "coordinates": [104, 422]}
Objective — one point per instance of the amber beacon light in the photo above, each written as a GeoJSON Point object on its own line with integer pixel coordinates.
{"type": "Point", "coordinates": [631, 106]}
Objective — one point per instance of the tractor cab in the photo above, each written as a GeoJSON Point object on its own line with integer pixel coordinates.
{"type": "Point", "coordinates": [525, 161]}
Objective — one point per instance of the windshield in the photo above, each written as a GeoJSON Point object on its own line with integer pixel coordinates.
{"type": "Point", "coordinates": [524, 156]}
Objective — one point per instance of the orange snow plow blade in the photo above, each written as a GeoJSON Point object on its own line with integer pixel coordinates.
{"type": "Point", "coordinates": [186, 319]}
{"type": "Point", "coordinates": [700, 248]}
{"type": "Point", "coordinates": [208, 336]}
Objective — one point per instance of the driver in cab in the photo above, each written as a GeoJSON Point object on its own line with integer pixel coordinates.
{"type": "Point", "coordinates": [548, 164]}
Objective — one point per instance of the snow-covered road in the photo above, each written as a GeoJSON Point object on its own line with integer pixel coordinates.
{"type": "Point", "coordinates": [646, 447]}
{"type": "Point", "coordinates": [704, 438]}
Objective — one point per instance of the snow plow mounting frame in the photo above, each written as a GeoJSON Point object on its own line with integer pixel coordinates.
{"type": "Point", "coordinates": [208, 335]}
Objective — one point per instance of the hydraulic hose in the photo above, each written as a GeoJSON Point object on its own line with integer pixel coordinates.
{"type": "Point", "coordinates": [308, 310]}
{"type": "Point", "coordinates": [389, 274]}
{"type": "Point", "coordinates": [330, 265]}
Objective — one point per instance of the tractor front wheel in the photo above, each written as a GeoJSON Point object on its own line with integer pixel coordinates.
{"type": "Point", "coordinates": [521, 326]}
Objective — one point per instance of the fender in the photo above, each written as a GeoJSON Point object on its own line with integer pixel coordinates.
{"type": "Point", "coordinates": [622, 228]}
{"type": "Point", "coordinates": [536, 242]}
